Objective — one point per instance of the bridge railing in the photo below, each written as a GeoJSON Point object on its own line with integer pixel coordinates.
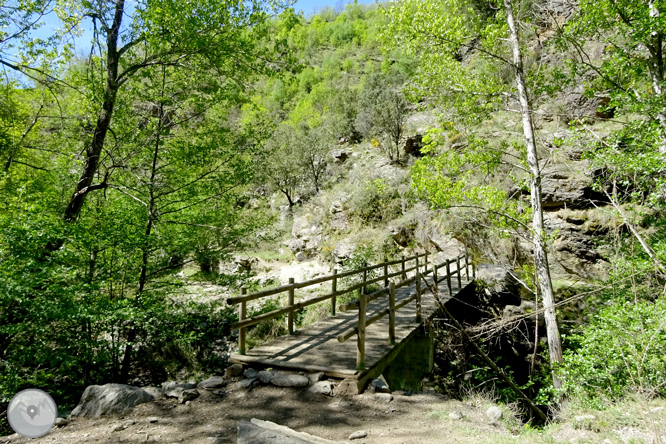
{"type": "Point", "coordinates": [362, 302]}
{"type": "Point", "coordinates": [419, 268]}
{"type": "Point", "coordinates": [244, 322]}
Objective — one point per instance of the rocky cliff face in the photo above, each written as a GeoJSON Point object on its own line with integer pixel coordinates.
{"type": "Point", "coordinates": [365, 207]}
{"type": "Point", "coordinates": [572, 207]}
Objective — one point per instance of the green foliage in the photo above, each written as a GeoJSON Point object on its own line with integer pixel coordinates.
{"type": "Point", "coordinates": [630, 72]}
{"type": "Point", "coordinates": [383, 113]}
{"type": "Point", "coordinates": [622, 351]}
{"type": "Point", "coordinates": [376, 202]}
{"type": "Point", "coordinates": [269, 329]}
{"type": "Point", "coordinates": [78, 299]}
{"type": "Point", "coordinates": [451, 179]}
{"type": "Point", "coordinates": [437, 32]}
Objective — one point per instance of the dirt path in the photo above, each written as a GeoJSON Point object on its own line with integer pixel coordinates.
{"type": "Point", "coordinates": [408, 418]}
{"type": "Point", "coordinates": [212, 418]}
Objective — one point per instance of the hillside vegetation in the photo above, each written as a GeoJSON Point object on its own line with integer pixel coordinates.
{"type": "Point", "coordinates": [189, 153]}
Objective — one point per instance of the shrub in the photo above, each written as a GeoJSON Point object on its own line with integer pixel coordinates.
{"type": "Point", "coordinates": [623, 350]}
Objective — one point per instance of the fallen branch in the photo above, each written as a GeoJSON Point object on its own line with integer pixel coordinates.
{"type": "Point", "coordinates": [490, 362]}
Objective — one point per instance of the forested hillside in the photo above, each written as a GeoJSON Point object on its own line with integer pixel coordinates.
{"type": "Point", "coordinates": [193, 149]}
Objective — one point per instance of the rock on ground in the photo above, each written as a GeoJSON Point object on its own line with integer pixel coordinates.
{"type": "Point", "coordinates": [379, 385]}
{"type": "Point", "coordinates": [256, 431]}
{"type": "Point", "coordinates": [347, 387]}
{"type": "Point", "coordinates": [173, 389]}
{"type": "Point", "coordinates": [315, 377]}
{"type": "Point", "coordinates": [250, 373]}
{"type": "Point", "coordinates": [245, 383]}
{"type": "Point", "coordinates": [358, 435]}
{"type": "Point", "coordinates": [494, 414]}
{"type": "Point", "coordinates": [282, 379]}
{"type": "Point", "coordinates": [109, 399]}
{"type": "Point", "coordinates": [322, 388]}
{"type": "Point", "coordinates": [214, 382]}
{"type": "Point", "coordinates": [155, 392]}
{"type": "Point", "coordinates": [233, 371]}
{"type": "Point", "coordinates": [188, 395]}
{"type": "Point", "coordinates": [265, 376]}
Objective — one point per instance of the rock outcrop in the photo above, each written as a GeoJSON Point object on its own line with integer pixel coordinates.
{"type": "Point", "coordinates": [569, 185]}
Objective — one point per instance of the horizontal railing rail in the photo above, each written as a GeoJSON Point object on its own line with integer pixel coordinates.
{"type": "Point", "coordinates": [362, 302]}
{"type": "Point", "coordinates": [244, 322]}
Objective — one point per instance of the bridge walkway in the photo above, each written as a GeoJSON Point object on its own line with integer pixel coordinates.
{"type": "Point", "coordinates": [316, 347]}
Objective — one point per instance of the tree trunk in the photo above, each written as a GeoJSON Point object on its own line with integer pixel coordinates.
{"type": "Point", "coordinates": [94, 151]}
{"type": "Point", "coordinates": [656, 67]}
{"type": "Point", "coordinates": [143, 277]}
{"type": "Point", "coordinates": [540, 255]}
{"type": "Point", "coordinates": [288, 194]}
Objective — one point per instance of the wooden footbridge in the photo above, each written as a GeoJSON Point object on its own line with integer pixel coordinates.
{"type": "Point", "coordinates": [383, 321]}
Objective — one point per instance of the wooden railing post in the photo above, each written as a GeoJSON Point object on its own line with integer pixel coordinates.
{"type": "Point", "coordinates": [386, 282]}
{"type": "Point", "coordinates": [365, 279]}
{"type": "Point", "coordinates": [425, 263]}
{"type": "Point", "coordinates": [466, 266]}
{"type": "Point", "coordinates": [473, 270]}
{"type": "Point", "coordinates": [434, 275]}
{"type": "Point", "coordinates": [404, 275]}
{"type": "Point", "coordinates": [448, 276]}
{"type": "Point", "coordinates": [392, 313]}
{"type": "Point", "coordinates": [334, 288]}
{"type": "Point", "coordinates": [242, 313]}
{"type": "Point", "coordinates": [418, 297]}
{"type": "Point", "coordinates": [459, 277]}
{"type": "Point", "coordinates": [417, 265]}
{"type": "Point", "coordinates": [290, 302]}
{"type": "Point", "coordinates": [360, 341]}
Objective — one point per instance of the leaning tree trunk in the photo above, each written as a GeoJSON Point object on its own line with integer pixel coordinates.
{"type": "Point", "coordinates": [94, 151]}
{"type": "Point", "coordinates": [540, 255]}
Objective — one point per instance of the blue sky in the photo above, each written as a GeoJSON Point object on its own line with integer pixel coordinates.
{"type": "Point", "coordinates": [83, 43]}
{"type": "Point", "coordinates": [309, 6]}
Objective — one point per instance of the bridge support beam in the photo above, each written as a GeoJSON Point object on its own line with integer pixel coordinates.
{"type": "Point", "coordinates": [413, 363]}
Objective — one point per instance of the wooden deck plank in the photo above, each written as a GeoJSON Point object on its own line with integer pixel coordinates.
{"type": "Point", "coordinates": [316, 348]}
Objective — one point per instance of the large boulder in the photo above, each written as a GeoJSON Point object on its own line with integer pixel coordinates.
{"type": "Point", "coordinates": [110, 399]}
{"type": "Point", "coordinates": [284, 379]}
{"type": "Point", "coordinates": [502, 287]}
{"type": "Point", "coordinates": [295, 245]}
{"type": "Point", "coordinates": [305, 225]}
{"type": "Point", "coordinates": [214, 382]}
{"type": "Point", "coordinates": [301, 256]}
{"type": "Point", "coordinates": [343, 251]}
{"type": "Point", "coordinates": [574, 251]}
{"type": "Point", "coordinates": [450, 247]}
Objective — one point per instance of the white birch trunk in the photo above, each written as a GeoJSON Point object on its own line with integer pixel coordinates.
{"type": "Point", "coordinates": [540, 255]}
